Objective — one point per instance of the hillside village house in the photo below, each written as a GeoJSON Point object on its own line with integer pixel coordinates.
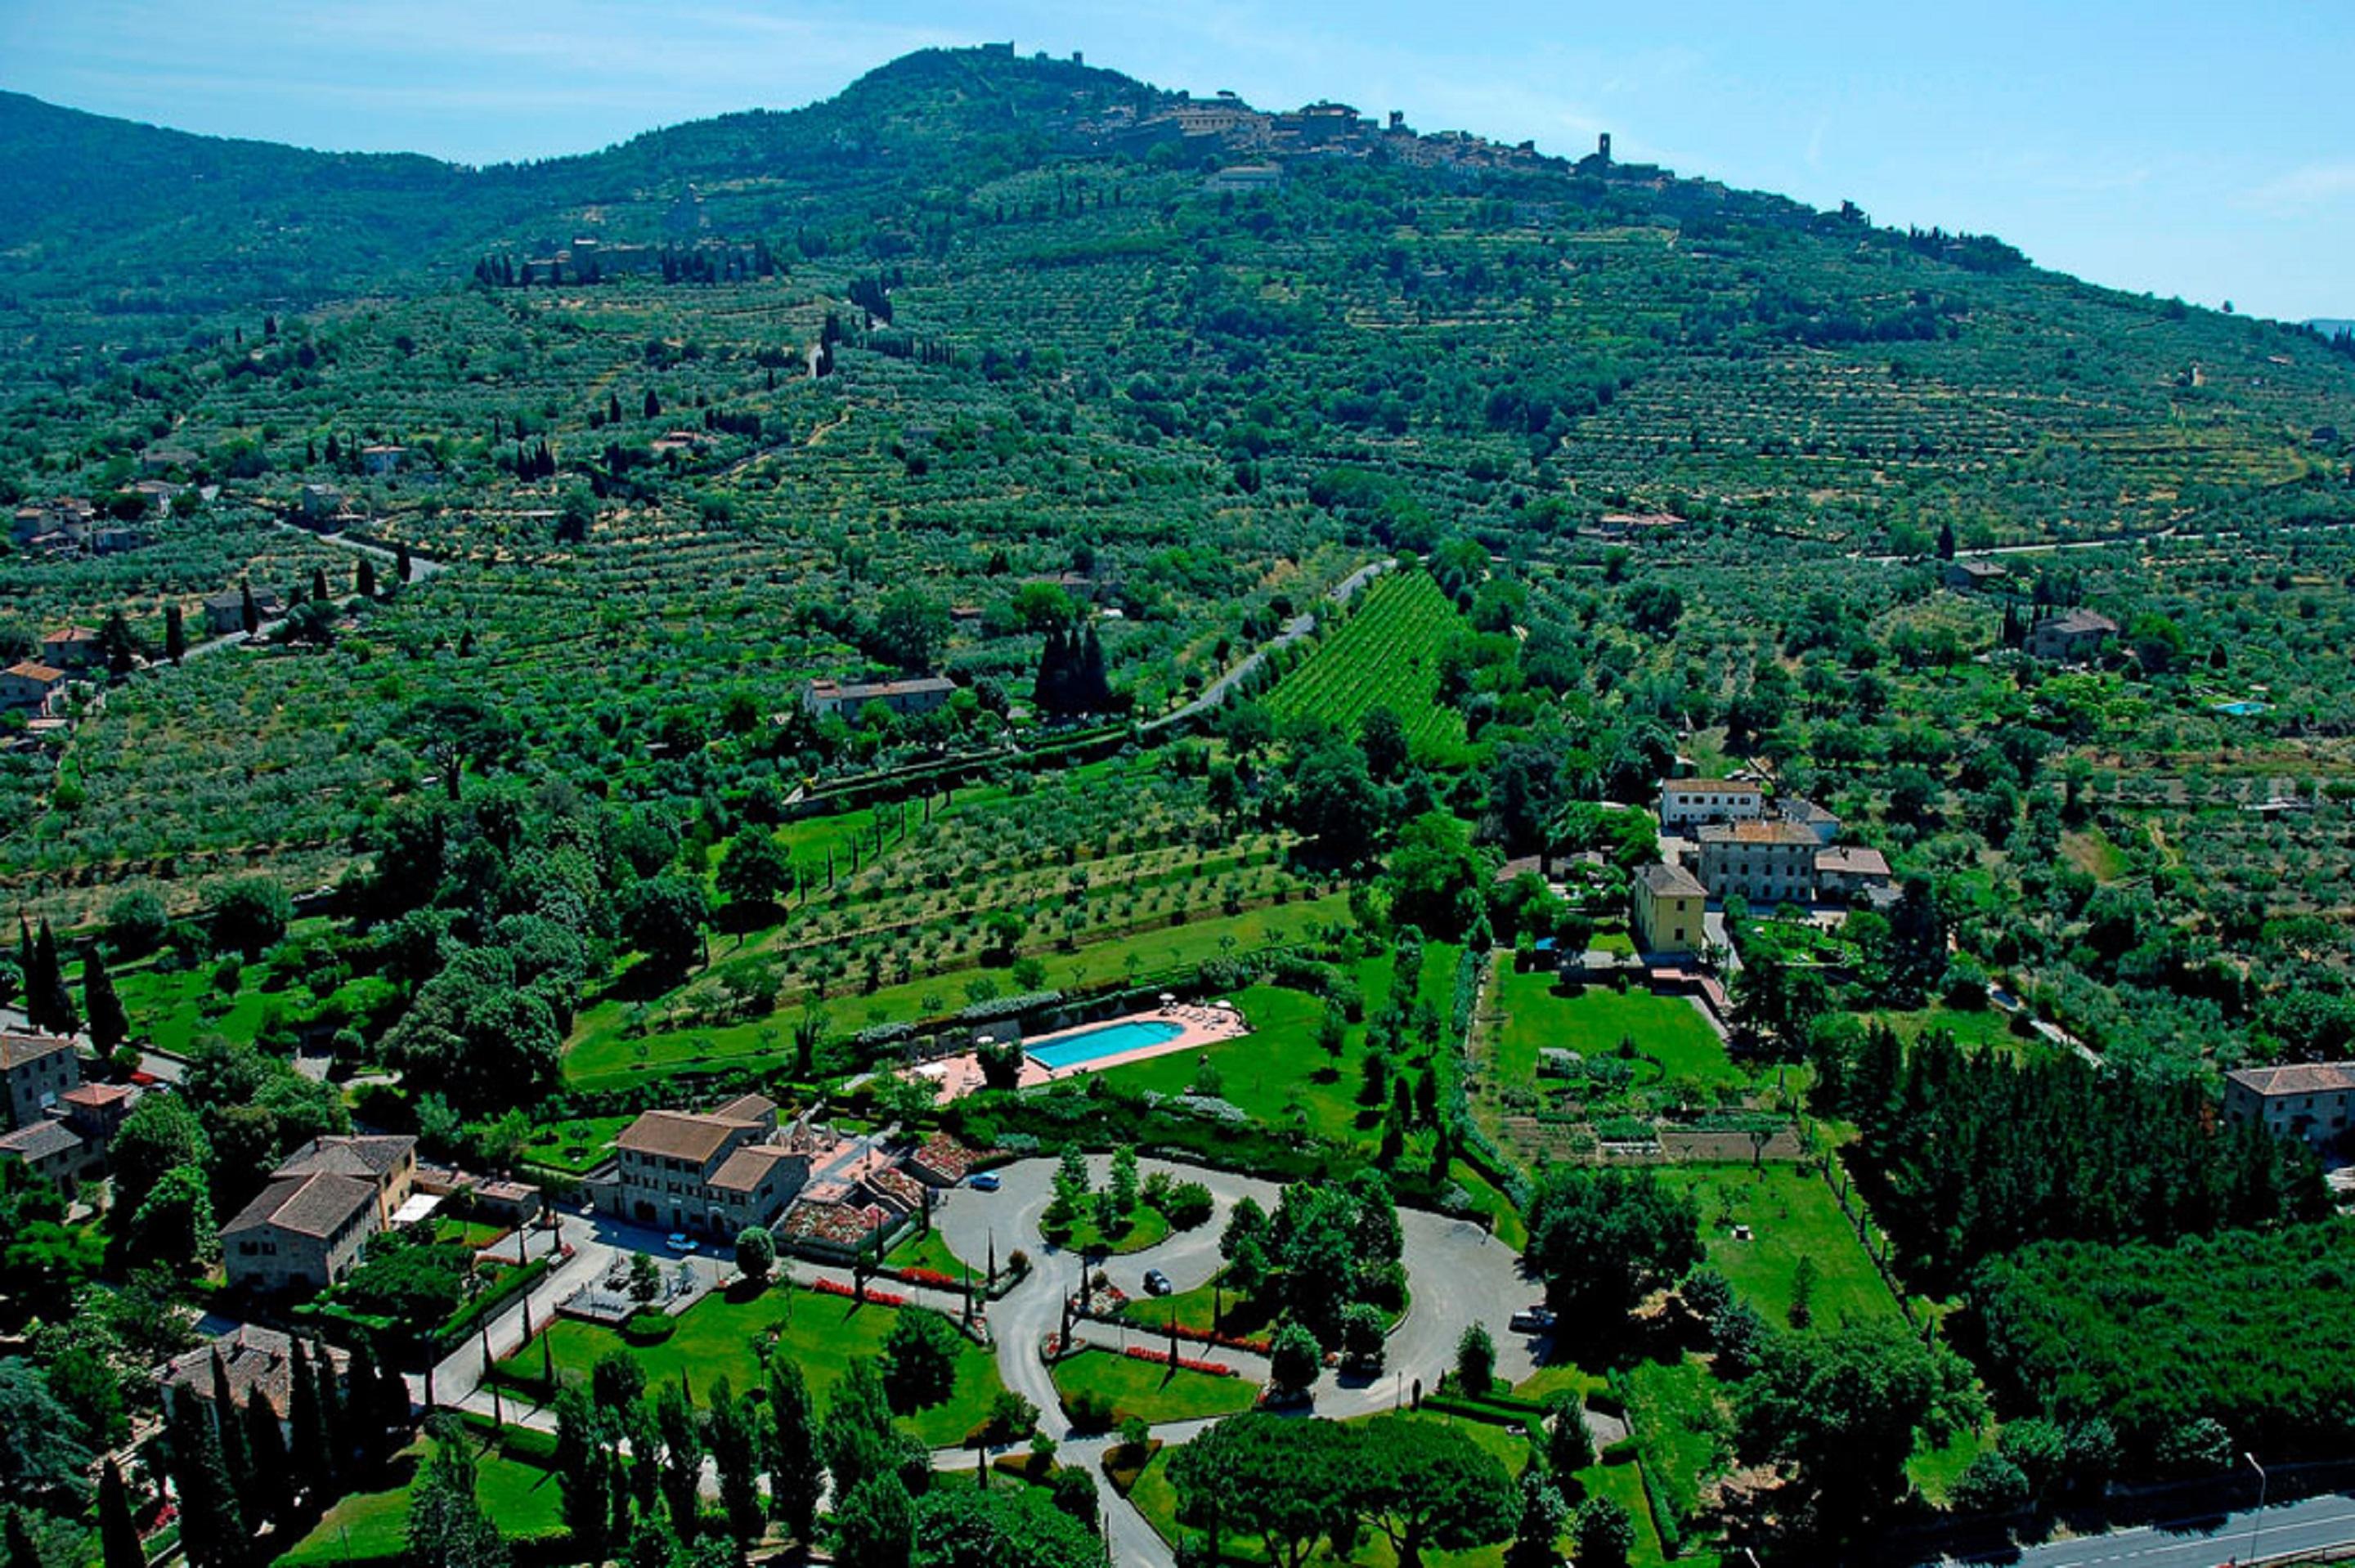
{"type": "Point", "coordinates": [2310, 1101]}
{"type": "Point", "coordinates": [225, 612]}
{"type": "Point", "coordinates": [31, 687]}
{"type": "Point", "coordinates": [37, 1072]}
{"type": "Point", "coordinates": [1668, 907]}
{"type": "Point", "coordinates": [2072, 637]}
{"type": "Point", "coordinates": [1848, 871]}
{"type": "Point", "coordinates": [383, 460]}
{"type": "Point", "coordinates": [715, 1173]}
{"type": "Point", "coordinates": [920, 696]}
{"type": "Point", "coordinates": [69, 1146]}
{"type": "Point", "coordinates": [259, 1363]}
{"type": "Point", "coordinates": [305, 1231]}
{"type": "Point", "coordinates": [72, 648]}
{"type": "Point", "coordinates": [1974, 577]}
{"type": "Point", "coordinates": [1688, 802]}
{"type": "Point", "coordinates": [1766, 861]}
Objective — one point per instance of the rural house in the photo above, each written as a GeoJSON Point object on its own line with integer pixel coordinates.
{"type": "Point", "coordinates": [2310, 1101]}
{"type": "Point", "coordinates": [920, 696]}
{"type": "Point", "coordinates": [1669, 906]}
{"type": "Point", "coordinates": [302, 1232]}
{"type": "Point", "coordinates": [38, 1071]}
{"type": "Point", "coordinates": [31, 687]}
{"type": "Point", "coordinates": [2072, 637]}
{"type": "Point", "coordinates": [1687, 803]}
{"type": "Point", "coordinates": [1766, 863]}
{"type": "Point", "coordinates": [714, 1173]}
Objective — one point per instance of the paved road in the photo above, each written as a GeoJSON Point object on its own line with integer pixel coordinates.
{"type": "Point", "coordinates": [1455, 1272]}
{"type": "Point", "coordinates": [1292, 631]}
{"type": "Point", "coordinates": [2285, 1530]}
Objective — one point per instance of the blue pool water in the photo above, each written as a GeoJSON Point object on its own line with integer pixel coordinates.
{"type": "Point", "coordinates": [2243, 709]}
{"type": "Point", "coordinates": [1104, 1040]}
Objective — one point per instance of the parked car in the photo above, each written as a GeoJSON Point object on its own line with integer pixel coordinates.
{"type": "Point", "coordinates": [1156, 1282]}
{"type": "Point", "coordinates": [983, 1182]}
{"type": "Point", "coordinates": [678, 1241]}
{"type": "Point", "coordinates": [1533, 1320]}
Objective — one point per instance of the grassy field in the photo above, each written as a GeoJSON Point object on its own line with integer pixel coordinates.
{"type": "Point", "coordinates": [522, 1497]}
{"type": "Point", "coordinates": [1277, 1072]}
{"type": "Point", "coordinates": [1596, 1020]}
{"type": "Point", "coordinates": [1158, 1394]}
{"type": "Point", "coordinates": [1986, 1029]}
{"type": "Point", "coordinates": [1146, 1227]}
{"type": "Point", "coordinates": [1791, 1215]}
{"type": "Point", "coordinates": [1682, 1425]}
{"type": "Point", "coordinates": [925, 1249]}
{"type": "Point", "coordinates": [714, 1339]}
{"type": "Point", "coordinates": [576, 1146]}
{"type": "Point", "coordinates": [605, 1052]}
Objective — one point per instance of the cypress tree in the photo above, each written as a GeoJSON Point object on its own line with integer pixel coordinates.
{"type": "Point", "coordinates": [319, 584]}
{"type": "Point", "coordinates": [118, 1533]}
{"type": "Point", "coordinates": [249, 614]}
{"type": "Point", "coordinates": [29, 965]}
{"type": "Point", "coordinates": [364, 578]}
{"type": "Point", "coordinates": [57, 1001]}
{"type": "Point", "coordinates": [366, 1431]}
{"type": "Point", "coordinates": [272, 1497]}
{"type": "Point", "coordinates": [333, 1415]}
{"type": "Point", "coordinates": [235, 1460]}
{"type": "Point", "coordinates": [175, 633]}
{"type": "Point", "coordinates": [400, 571]}
{"type": "Point", "coordinates": [211, 1528]}
{"type": "Point", "coordinates": [308, 1463]}
{"type": "Point", "coordinates": [109, 1025]}
{"type": "Point", "coordinates": [796, 1474]}
{"type": "Point", "coordinates": [22, 1552]}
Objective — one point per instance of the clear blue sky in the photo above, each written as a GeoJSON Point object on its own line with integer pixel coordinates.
{"type": "Point", "coordinates": [2202, 149]}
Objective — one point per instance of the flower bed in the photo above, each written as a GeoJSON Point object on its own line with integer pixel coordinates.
{"type": "Point", "coordinates": [1163, 1358]}
{"type": "Point", "coordinates": [932, 1277]}
{"type": "Point", "coordinates": [876, 1297]}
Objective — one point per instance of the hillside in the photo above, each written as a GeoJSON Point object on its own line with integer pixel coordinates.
{"type": "Point", "coordinates": [1053, 325]}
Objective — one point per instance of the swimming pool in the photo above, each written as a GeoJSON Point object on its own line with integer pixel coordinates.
{"type": "Point", "coordinates": [1104, 1040]}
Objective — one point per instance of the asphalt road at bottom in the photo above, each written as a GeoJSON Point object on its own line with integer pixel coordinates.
{"type": "Point", "coordinates": [2206, 1541]}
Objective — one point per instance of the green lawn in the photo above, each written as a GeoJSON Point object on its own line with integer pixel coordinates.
{"type": "Point", "coordinates": [1987, 1028]}
{"type": "Point", "coordinates": [1682, 1428]}
{"type": "Point", "coordinates": [601, 1053]}
{"type": "Point", "coordinates": [1935, 1471]}
{"type": "Point", "coordinates": [1277, 1072]}
{"type": "Point", "coordinates": [1595, 1020]}
{"type": "Point", "coordinates": [522, 1498]}
{"type": "Point", "coordinates": [169, 1010]}
{"type": "Point", "coordinates": [1625, 1484]}
{"type": "Point", "coordinates": [576, 1146]}
{"type": "Point", "coordinates": [1195, 1309]}
{"type": "Point", "coordinates": [1146, 1227]}
{"type": "Point", "coordinates": [925, 1249]}
{"type": "Point", "coordinates": [714, 1339]}
{"type": "Point", "coordinates": [1791, 1215]}
{"type": "Point", "coordinates": [1158, 1393]}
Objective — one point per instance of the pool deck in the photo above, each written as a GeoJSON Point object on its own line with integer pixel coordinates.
{"type": "Point", "coordinates": [1199, 1024]}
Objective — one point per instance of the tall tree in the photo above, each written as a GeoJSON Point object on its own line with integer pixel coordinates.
{"type": "Point", "coordinates": [875, 1526]}
{"type": "Point", "coordinates": [796, 1474]}
{"type": "Point", "coordinates": [310, 1460]}
{"type": "Point", "coordinates": [175, 633]}
{"type": "Point", "coordinates": [212, 1529]}
{"type": "Point", "coordinates": [735, 1434]}
{"type": "Point", "coordinates": [682, 1456]}
{"type": "Point", "coordinates": [1429, 1486]}
{"type": "Point", "coordinates": [580, 1467]}
{"type": "Point", "coordinates": [118, 1533]}
{"type": "Point", "coordinates": [109, 1025]}
{"type": "Point", "coordinates": [447, 1525]}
